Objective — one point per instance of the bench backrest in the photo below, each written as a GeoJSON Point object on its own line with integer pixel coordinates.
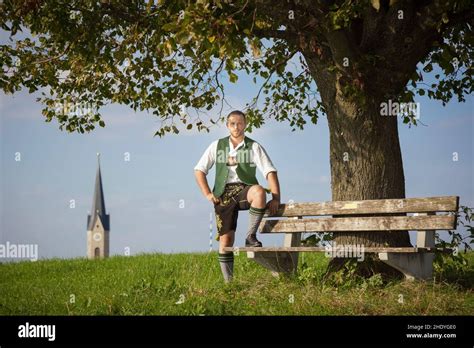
{"type": "Point", "coordinates": [366, 215]}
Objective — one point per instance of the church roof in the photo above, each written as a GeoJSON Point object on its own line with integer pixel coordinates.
{"type": "Point", "coordinates": [98, 202]}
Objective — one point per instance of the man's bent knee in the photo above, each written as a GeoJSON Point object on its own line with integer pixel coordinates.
{"type": "Point", "coordinates": [256, 192]}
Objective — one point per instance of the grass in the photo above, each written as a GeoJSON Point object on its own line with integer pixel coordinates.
{"type": "Point", "coordinates": [155, 284]}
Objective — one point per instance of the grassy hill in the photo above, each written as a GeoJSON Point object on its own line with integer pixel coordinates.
{"type": "Point", "coordinates": [191, 284]}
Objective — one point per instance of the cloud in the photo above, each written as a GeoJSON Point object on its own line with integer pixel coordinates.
{"type": "Point", "coordinates": [456, 122]}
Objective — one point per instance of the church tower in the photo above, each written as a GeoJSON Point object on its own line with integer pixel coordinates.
{"type": "Point", "coordinates": [98, 223]}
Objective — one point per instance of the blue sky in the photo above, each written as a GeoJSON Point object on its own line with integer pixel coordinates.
{"type": "Point", "coordinates": [145, 196]}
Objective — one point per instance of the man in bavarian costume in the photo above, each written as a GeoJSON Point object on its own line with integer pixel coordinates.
{"type": "Point", "coordinates": [236, 187]}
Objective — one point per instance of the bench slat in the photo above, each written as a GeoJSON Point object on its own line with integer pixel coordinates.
{"type": "Point", "coordinates": [303, 249]}
{"type": "Point", "coordinates": [375, 206]}
{"type": "Point", "coordinates": [375, 223]}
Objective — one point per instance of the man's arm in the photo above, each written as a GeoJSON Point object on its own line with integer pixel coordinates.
{"type": "Point", "coordinates": [202, 168]}
{"type": "Point", "coordinates": [274, 184]}
{"type": "Point", "coordinates": [204, 186]}
{"type": "Point", "coordinates": [265, 165]}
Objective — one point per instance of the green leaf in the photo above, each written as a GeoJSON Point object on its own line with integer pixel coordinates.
{"type": "Point", "coordinates": [233, 77]}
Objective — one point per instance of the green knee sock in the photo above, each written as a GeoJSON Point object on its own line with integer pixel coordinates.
{"type": "Point", "coordinates": [255, 217]}
{"type": "Point", "coordinates": [226, 261]}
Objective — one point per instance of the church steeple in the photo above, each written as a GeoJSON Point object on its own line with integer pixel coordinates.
{"type": "Point", "coordinates": [98, 202]}
{"type": "Point", "coordinates": [98, 222]}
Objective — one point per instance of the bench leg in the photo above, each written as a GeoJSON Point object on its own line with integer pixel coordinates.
{"type": "Point", "coordinates": [280, 262]}
{"type": "Point", "coordinates": [277, 262]}
{"type": "Point", "coordinates": [412, 265]}
{"type": "Point", "coordinates": [293, 240]}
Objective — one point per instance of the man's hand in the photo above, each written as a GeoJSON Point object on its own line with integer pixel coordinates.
{"type": "Point", "coordinates": [273, 206]}
{"type": "Point", "coordinates": [210, 196]}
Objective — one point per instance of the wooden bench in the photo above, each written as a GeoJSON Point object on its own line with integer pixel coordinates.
{"type": "Point", "coordinates": [413, 262]}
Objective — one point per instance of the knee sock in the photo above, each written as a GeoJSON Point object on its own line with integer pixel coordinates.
{"type": "Point", "coordinates": [255, 217]}
{"type": "Point", "coordinates": [226, 261]}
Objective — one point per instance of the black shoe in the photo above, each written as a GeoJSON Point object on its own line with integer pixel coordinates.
{"type": "Point", "coordinates": [252, 241]}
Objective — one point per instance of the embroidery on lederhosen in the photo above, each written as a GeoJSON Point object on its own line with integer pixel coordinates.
{"type": "Point", "coordinates": [228, 195]}
{"type": "Point", "coordinates": [218, 222]}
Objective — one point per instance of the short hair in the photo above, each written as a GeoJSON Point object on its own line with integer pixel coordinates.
{"type": "Point", "coordinates": [236, 112]}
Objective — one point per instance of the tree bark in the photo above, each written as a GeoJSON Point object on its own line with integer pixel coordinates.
{"type": "Point", "coordinates": [366, 163]}
{"type": "Point", "coordinates": [365, 156]}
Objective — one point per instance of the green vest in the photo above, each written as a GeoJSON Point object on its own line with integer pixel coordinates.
{"type": "Point", "coordinates": [246, 169]}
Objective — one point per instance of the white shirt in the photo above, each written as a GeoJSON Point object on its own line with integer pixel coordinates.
{"type": "Point", "coordinates": [259, 157]}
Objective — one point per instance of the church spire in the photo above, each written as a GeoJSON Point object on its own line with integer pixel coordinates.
{"type": "Point", "coordinates": [98, 202]}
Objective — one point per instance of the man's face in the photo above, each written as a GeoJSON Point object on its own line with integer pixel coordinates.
{"type": "Point", "coordinates": [236, 125]}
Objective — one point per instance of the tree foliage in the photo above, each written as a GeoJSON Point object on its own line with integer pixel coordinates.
{"type": "Point", "coordinates": [171, 57]}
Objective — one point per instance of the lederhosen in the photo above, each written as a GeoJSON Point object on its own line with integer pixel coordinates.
{"type": "Point", "coordinates": [232, 200]}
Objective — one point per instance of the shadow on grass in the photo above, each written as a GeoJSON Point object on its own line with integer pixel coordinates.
{"type": "Point", "coordinates": [464, 279]}
{"type": "Point", "coordinates": [455, 269]}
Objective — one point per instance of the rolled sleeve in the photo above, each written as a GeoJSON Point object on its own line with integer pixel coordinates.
{"type": "Point", "coordinates": [262, 160]}
{"type": "Point", "coordinates": [208, 159]}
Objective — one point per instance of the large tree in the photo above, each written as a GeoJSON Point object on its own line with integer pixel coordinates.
{"type": "Point", "coordinates": [170, 57]}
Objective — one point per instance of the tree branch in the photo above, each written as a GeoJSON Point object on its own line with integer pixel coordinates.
{"type": "Point", "coordinates": [275, 34]}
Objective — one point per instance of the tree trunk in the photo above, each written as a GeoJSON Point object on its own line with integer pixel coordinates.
{"type": "Point", "coordinates": [365, 159]}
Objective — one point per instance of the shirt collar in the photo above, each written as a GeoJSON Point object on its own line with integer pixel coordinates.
{"type": "Point", "coordinates": [241, 144]}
